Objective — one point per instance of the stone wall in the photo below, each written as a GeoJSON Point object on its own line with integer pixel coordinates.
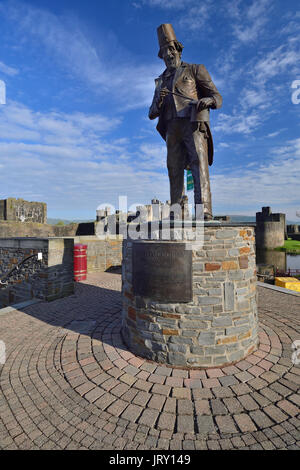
{"type": "Point", "coordinates": [102, 254]}
{"type": "Point", "coordinates": [48, 279]}
{"type": "Point", "coordinates": [219, 326]}
{"type": "Point", "coordinates": [10, 229]}
{"type": "Point", "coordinates": [24, 211]}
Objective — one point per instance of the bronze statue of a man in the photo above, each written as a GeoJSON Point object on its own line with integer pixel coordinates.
{"type": "Point", "coordinates": [183, 97]}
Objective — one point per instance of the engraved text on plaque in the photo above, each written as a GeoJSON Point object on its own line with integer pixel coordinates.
{"type": "Point", "coordinates": [162, 271]}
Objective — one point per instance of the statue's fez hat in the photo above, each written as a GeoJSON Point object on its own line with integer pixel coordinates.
{"type": "Point", "coordinates": [165, 34]}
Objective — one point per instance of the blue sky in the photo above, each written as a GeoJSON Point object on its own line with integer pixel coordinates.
{"type": "Point", "coordinates": [79, 77]}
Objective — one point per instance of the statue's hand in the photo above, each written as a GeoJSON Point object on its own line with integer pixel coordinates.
{"type": "Point", "coordinates": [205, 103]}
{"type": "Point", "coordinates": [163, 92]}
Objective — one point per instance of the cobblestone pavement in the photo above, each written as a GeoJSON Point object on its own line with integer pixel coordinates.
{"type": "Point", "coordinates": [69, 382]}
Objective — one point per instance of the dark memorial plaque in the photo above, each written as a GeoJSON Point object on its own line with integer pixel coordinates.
{"type": "Point", "coordinates": [162, 271]}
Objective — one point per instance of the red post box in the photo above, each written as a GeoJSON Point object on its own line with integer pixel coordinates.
{"type": "Point", "coordinates": [80, 262]}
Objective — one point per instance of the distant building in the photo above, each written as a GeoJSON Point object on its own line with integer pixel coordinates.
{"type": "Point", "coordinates": [19, 210]}
{"type": "Point", "coordinates": [270, 229]}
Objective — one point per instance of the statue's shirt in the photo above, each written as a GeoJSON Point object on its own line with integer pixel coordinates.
{"type": "Point", "coordinates": [169, 109]}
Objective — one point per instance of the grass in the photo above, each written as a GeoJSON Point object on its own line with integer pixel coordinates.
{"type": "Point", "coordinates": [290, 246]}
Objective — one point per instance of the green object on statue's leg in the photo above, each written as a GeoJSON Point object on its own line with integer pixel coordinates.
{"type": "Point", "coordinates": [189, 181]}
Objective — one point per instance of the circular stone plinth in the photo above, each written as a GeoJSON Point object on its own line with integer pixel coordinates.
{"type": "Point", "coordinates": [213, 318]}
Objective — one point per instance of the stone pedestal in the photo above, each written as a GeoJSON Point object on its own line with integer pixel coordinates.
{"type": "Point", "coordinates": [190, 305]}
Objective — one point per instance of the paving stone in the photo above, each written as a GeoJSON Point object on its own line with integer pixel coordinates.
{"type": "Point", "coordinates": [288, 439]}
{"type": "Point", "coordinates": [257, 383]}
{"type": "Point", "coordinates": [185, 423]}
{"type": "Point", "coordinates": [161, 370]}
{"type": "Point", "coordinates": [128, 379]}
{"type": "Point", "coordinates": [188, 445]}
{"type": "Point", "coordinates": [218, 407]}
{"type": "Point", "coordinates": [148, 417]}
{"type": "Point", "coordinates": [202, 407]}
{"type": "Point", "coordinates": [175, 444]}
{"type": "Point", "coordinates": [180, 373]}
{"type": "Point", "coordinates": [200, 445]}
{"type": "Point", "coordinates": [141, 398]}
{"type": "Point", "coordinates": [214, 373]}
{"type": "Point", "coordinates": [192, 383]}
{"type": "Point", "coordinates": [213, 445]}
{"type": "Point", "coordinates": [260, 419]}
{"type": "Point", "coordinates": [94, 394]}
{"type": "Point", "coordinates": [169, 405]}
{"type": "Point", "coordinates": [205, 424]}
{"type": "Point", "coordinates": [278, 443]}
{"type": "Point", "coordinates": [278, 429]}
{"type": "Point", "coordinates": [280, 389]}
{"type": "Point", "coordinates": [237, 442]}
{"type": "Point", "coordinates": [244, 376]}
{"type": "Point", "coordinates": [166, 421]}
{"type": "Point", "coordinates": [243, 365]}
{"type": "Point", "coordinates": [132, 412]}
{"type": "Point", "coordinates": [260, 399]}
{"type": "Point", "coordinates": [275, 413]}
{"type": "Point", "coordinates": [295, 399]}
{"type": "Point", "coordinates": [142, 385]}
{"type": "Point", "coordinates": [241, 389]}
{"type": "Point", "coordinates": [104, 401]}
{"type": "Point", "coordinates": [269, 376]}
{"type": "Point", "coordinates": [288, 407]}
{"type": "Point", "coordinates": [161, 389]}
{"type": "Point", "coordinates": [221, 392]}
{"type": "Point", "coordinates": [228, 380]}
{"type": "Point", "coordinates": [226, 444]}
{"type": "Point", "coordinates": [174, 381]}
{"type": "Point", "coordinates": [210, 383]}
{"type": "Point", "coordinates": [65, 411]}
{"type": "Point", "coordinates": [244, 422]}
{"type": "Point", "coordinates": [233, 405]}
{"type": "Point", "coordinates": [270, 394]}
{"type": "Point", "coordinates": [156, 379]}
{"type": "Point", "coordinates": [156, 402]}
{"type": "Point", "coordinates": [185, 407]}
{"type": "Point", "coordinates": [248, 403]}
{"type": "Point", "coordinates": [248, 439]}
{"type": "Point", "coordinates": [181, 393]}
{"type": "Point", "coordinates": [198, 394]}
{"type": "Point", "coordinates": [226, 424]}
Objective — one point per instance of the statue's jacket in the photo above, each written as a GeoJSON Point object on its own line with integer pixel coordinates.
{"type": "Point", "coordinates": [192, 81]}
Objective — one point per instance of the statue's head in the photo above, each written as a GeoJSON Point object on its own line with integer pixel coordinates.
{"type": "Point", "coordinates": [170, 49]}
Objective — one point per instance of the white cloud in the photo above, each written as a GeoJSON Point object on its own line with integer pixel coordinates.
{"type": "Point", "coordinates": [129, 83]}
{"type": "Point", "coordinates": [280, 60]}
{"type": "Point", "coordinates": [7, 70]}
{"type": "Point", "coordinates": [238, 122]}
{"type": "Point", "coordinates": [169, 4]}
{"type": "Point", "coordinates": [249, 21]}
{"type": "Point", "coordinates": [193, 14]}
{"type": "Point", "coordinates": [68, 157]}
{"type": "Point", "coordinates": [257, 186]}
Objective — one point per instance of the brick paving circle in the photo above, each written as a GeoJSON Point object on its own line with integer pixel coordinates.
{"type": "Point", "coordinates": [69, 382]}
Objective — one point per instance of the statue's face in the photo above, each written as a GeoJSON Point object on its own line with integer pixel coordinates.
{"type": "Point", "coordinates": [171, 56]}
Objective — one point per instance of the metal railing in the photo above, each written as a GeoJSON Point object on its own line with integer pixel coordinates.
{"type": "Point", "coordinates": [288, 273]}
{"type": "Point", "coordinates": [5, 277]}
